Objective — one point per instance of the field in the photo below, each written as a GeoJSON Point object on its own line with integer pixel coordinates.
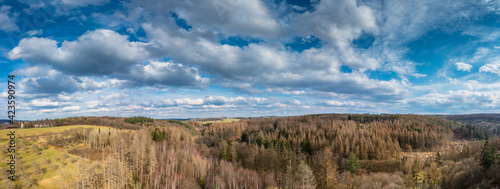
{"type": "Point", "coordinates": [40, 131]}
{"type": "Point", "coordinates": [46, 165]}
{"type": "Point", "coordinates": [218, 121]}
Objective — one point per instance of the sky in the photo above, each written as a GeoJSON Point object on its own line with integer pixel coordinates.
{"type": "Point", "coordinates": [248, 58]}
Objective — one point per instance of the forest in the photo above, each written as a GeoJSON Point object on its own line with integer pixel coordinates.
{"type": "Point", "coordinates": [310, 151]}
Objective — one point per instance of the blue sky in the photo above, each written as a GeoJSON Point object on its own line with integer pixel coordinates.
{"type": "Point", "coordinates": [197, 58]}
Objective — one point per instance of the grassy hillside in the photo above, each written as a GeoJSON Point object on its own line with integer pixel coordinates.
{"type": "Point", "coordinates": [40, 164]}
{"type": "Point", "coordinates": [41, 131]}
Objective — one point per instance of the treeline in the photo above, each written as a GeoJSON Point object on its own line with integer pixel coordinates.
{"type": "Point", "coordinates": [138, 119]}
{"type": "Point", "coordinates": [116, 122]}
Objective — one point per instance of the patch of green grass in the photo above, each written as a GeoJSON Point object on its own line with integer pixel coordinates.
{"type": "Point", "coordinates": [37, 131]}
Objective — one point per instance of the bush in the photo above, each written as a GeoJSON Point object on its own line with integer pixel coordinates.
{"type": "Point", "coordinates": [158, 135]}
{"type": "Point", "coordinates": [352, 163]}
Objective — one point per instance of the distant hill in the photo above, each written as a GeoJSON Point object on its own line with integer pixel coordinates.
{"type": "Point", "coordinates": [487, 122]}
{"type": "Point", "coordinates": [4, 121]}
{"type": "Point", "coordinates": [178, 119]}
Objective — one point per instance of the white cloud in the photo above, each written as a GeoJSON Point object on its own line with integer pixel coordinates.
{"type": "Point", "coordinates": [167, 73]}
{"type": "Point", "coordinates": [102, 53]}
{"type": "Point", "coordinates": [98, 52]}
{"type": "Point", "coordinates": [35, 32]}
{"type": "Point", "coordinates": [480, 53]}
{"type": "Point", "coordinates": [231, 17]}
{"type": "Point", "coordinates": [273, 66]}
{"type": "Point", "coordinates": [37, 71]}
{"type": "Point", "coordinates": [211, 101]}
{"type": "Point", "coordinates": [62, 97]}
{"type": "Point", "coordinates": [113, 96]}
{"type": "Point", "coordinates": [44, 80]}
{"type": "Point", "coordinates": [342, 103]}
{"type": "Point", "coordinates": [71, 108]}
{"type": "Point", "coordinates": [493, 67]}
{"type": "Point", "coordinates": [458, 101]}
{"type": "Point", "coordinates": [478, 86]}
{"type": "Point", "coordinates": [338, 22]}
{"type": "Point", "coordinates": [188, 101]}
{"type": "Point", "coordinates": [44, 102]}
{"type": "Point", "coordinates": [463, 66]}
{"type": "Point", "coordinates": [79, 3]}
{"type": "Point", "coordinates": [486, 34]}
{"type": "Point", "coordinates": [7, 20]}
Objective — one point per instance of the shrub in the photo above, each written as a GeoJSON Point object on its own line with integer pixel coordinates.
{"type": "Point", "coordinates": [352, 163]}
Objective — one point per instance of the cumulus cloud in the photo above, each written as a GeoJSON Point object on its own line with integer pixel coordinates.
{"type": "Point", "coordinates": [61, 7]}
{"type": "Point", "coordinates": [274, 66]}
{"type": "Point", "coordinates": [240, 17]}
{"type": "Point", "coordinates": [459, 101]}
{"type": "Point", "coordinates": [463, 66]}
{"type": "Point", "coordinates": [248, 17]}
{"type": "Point", "coordinates": [99, 52]}
{"type": "Point", "coordinates": [113, 96]}
{"type": "Point", "coordinates": [78, 3]}
{"type": "Point", "coordinates": [167, 74]}
{"type": "Point", "coordinates": [35, 32]}
{"type": "Point", "coordinates": [7, 20]}
{"type": "Point", "coordinates": [212, 101]}
{"type": "Point", "coordinates": [44, 103]}
{"type": "Point", "coordinates": [338, 22]}
{"type": "Point", "coordinates": [335, 103]}
{"type": "Point", "coordinates": [44, 80]}
{"type": "Point", "coordinates": [493, 67]}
